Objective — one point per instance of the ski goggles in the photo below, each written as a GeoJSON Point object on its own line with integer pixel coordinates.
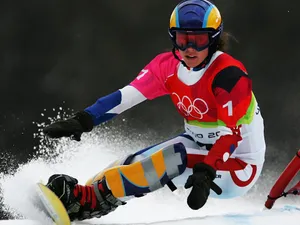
{"type": "Point", "coordinates": [191, 39]}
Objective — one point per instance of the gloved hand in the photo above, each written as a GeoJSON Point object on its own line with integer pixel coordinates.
{"type": "Point", "coordinates": [201, 182]}
{"type": "Point", "coordinates": [72, 127]}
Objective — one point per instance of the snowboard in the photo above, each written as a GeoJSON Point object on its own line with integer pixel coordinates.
{"type": "Point", "coordinates": [51, 205]}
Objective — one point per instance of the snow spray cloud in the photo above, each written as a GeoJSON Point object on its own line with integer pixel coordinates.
{"type": "Point", "coordinates": [84, 159]}
{"type": "Point", "coordinates": [79, 159]}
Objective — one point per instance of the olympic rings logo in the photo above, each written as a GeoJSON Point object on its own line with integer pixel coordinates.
{"type": "Point", "coordinates": [189, 108]}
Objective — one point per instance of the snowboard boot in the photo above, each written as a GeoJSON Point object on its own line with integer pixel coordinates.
{"type": "Point", "coordinates": [83, 202]}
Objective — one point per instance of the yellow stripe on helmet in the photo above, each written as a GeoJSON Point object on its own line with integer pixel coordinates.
{"type": "Point", "coordinates": [213, 19]}
{"type": "Point", "coordinates": [174, 18]}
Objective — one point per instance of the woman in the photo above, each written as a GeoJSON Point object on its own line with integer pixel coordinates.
{"type": "Point", "coordinates": [223, 146]}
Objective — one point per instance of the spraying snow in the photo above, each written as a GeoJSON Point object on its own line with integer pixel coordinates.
{"type": "Point", "coordinates": [84, 159]}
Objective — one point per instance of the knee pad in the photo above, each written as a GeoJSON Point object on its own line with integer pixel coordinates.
{"type": "Point", "coordinates": [124, 161]}
{"type": "Point", "coordinates": [146, 175]}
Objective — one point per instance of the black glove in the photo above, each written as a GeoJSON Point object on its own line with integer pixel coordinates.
{"type": "Point", "coordinates": [201, 182]}
{"type": "Point", "coordinates": [72, 127]}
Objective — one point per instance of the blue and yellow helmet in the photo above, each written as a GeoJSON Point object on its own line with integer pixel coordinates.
{"type": "Point", "coordinates": [196, 16]}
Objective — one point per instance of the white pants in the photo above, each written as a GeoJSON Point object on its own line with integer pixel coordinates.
{"type": "Point", "coordinates": [235, 179]}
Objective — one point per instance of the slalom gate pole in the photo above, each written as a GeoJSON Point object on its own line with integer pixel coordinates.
{"type": "Point", "coordinates": [284, 179]}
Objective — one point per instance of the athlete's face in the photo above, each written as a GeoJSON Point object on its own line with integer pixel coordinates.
{"type": "Point", "coordinates": [192, 57]}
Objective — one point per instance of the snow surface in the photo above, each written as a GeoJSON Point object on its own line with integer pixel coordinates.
{"type": "Point", "coordinates": [84, 159]}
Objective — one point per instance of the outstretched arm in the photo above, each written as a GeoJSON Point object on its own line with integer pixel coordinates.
{"type": "Point", "coordinates": [107, 107]}
{"type": "Point", "coordinates": [149, 84]}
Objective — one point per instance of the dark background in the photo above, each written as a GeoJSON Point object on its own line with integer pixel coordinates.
{"type": "Point", "coordinates": [63, 53]}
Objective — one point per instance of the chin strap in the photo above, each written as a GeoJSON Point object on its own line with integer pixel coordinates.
{"type": "Point", "coordinates": [176, 57]}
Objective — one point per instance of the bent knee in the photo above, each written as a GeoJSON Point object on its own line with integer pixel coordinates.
{"type": "Point", "coordinates": [147, 174]}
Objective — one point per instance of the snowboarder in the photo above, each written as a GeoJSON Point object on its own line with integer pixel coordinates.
{"type": "Point", "coordinates": [223, 146]}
